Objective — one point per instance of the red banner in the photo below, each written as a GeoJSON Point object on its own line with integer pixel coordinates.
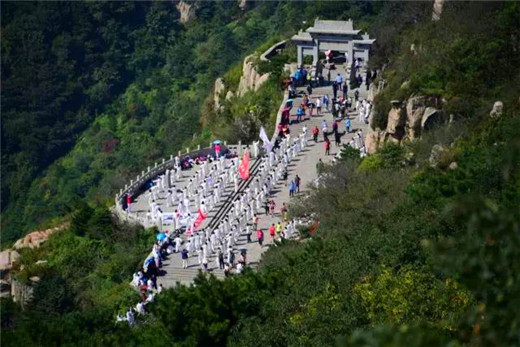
{"type": "Point", "coordinates": [198, 221]}
{"type": "Point", "coordinates": [314, 227]}
{"type": "Point", "coordinates": [243, 168]}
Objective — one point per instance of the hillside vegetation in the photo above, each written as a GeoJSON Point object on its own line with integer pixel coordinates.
{"type": "Point", "coordinates": [97, 91]}
{"type": "Point", "coordinates": [407, 253]}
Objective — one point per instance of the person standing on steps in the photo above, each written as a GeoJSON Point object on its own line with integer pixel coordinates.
{"type": "Point", "coordinates": [272, 205]}
{"type": "Point", "coordinates": [319, 166]}
{"type": "Point", "coordinates": [299, 113]}
{"type": "Point", "coordinates": [311, 108]}
{"type": "Point", "coordinates": [327, 146]}
{"type": "Point", "coordinates": [315, 133]}
{"type": "Point", "coordinates": [227, 270]}
{"type": "Point", "coordinates": [326, 102]}
{"type": "Point", "coordinates": [260, 237]}
{"type": "Point", "coordinates": [318, 106]}
{"type": "Point", "coordinates": [279, 229]}
{"type": "Point", "coordinates": [339, 80]}
{"type": "Point", "coordinates": [184, 256]}
{"type": "Point", "coordinates": [217, 150]}
{"type": "Point", "coordinates": [309, 90]}
{"type": "Point", "coordinates": [337, 137]}
{"type": "Point", "coordinates": [205, 263]}
{"type": "Point", "coordinates": [292, 187]}
{"type": "Point", "coordinates": [272, 230]}
{"type": "Point", "coordinates": [128, 202]}
{"type": "Point", "coordinates": [283, 212]}
{"type": "Point", "coordinates": [220, 256]}
{"type": "Point", "coordinates": [324, 129]}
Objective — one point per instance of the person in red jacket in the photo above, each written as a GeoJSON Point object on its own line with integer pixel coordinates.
{"type": "Point", "coordinates": [260, 237]}
{"type": "Point", "coordinates": [272, 231]}
{"type": "Point", "coordinates": [315, 133]}
{"type": "Point", "coordinates": [128, 202]}
{"type": "Point", "coordinates": [327, 146]}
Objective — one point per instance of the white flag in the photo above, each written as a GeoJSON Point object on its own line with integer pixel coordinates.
{"type": "Point", "coordinates": [263, 137]}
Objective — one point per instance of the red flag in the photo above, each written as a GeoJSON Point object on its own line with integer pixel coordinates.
{"type": "Point", "coordinates": [314, 227]}
{"type": "Point", "coordinates": [243, 168]}
{"type": "Point", "coordinates": [198, 221]}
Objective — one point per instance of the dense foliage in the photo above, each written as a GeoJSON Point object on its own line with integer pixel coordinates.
{"type": "Point", "coordinates": [460, 63]}
{"type": "Point", "coordinates": [406, 254]}
{"type": "Point", "coordinates": [121, 84]}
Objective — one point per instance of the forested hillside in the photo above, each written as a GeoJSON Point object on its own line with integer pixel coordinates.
{"type": "Point", "coordinates": [119, 84]}
{"type": "Point", "coordinates": [410, 250]}
{"type": "Point", "coordinates": [93, 92]}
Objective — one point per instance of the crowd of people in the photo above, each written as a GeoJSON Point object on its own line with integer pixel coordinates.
{"type": "Point", "coordinates": [204, 190]}
{"type": "Point", "coordinates": [215, 247]}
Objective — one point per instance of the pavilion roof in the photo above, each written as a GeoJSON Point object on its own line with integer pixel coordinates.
{"type": "Point", "coordinates": [302, 36]}
{"type": "Point", "coordinates": [333, 27]}
{"type": "Point", "coordinates": [365, 39]}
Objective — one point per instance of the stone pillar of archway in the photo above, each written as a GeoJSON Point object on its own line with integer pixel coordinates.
{"type": "Point", "coordinates": [315, 53]}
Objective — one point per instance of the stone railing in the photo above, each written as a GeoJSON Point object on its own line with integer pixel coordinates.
{"type": "Point", "coordinates": [159, 168]}
{"type": "Point", "coordinates": [272, 50]}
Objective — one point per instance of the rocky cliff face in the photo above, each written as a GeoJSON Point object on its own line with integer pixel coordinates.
{"type": "Point", "coordinates": [411, 121]}
{"type": "Point", "coordinates": [242, 4]}
{"type": "Point", "coordinates": [218, 89]}
{"type": "Point", "coordinates": [36, 238]}
{"type": "Point", "coordinates": [406, 121]}
{"type": "Point", "coordinates": [251, 79]}
{"type": "Point", "coordinates": [437, 9]}
{"type": "Point", "coordinates": [186, 10]}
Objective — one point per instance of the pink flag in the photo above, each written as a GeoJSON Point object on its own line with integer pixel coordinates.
{"type": "Point", "coordinates": [198, 221]}
{"type": "Point", "coordinates": [243, 168]}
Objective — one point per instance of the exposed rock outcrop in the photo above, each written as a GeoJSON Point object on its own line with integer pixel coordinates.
{"type": "Point", "coordinates": [407, 122]}
{"type": "Point", "coordinates": [453, 166]}
{"type": "Point", "coordinates": [186, 10]}
{"type": "Point", "coordinates": [396, 122]}
{"type": "Point", "coordinates": [372, 140]}
{"type": "Point", "coordinates": [431, 118]}
{"type": "Point", "coordinates": [7, 258]}
{"type": "Point", "coordinates": [251, 79]}
{"type": "Point", "coordinates": [36, 238]}
{"type": "Point", "coordinates": [415, 108]}
{"type": "Point", "coordinates": [437, 10]}
{"type": "Point", "coordinates": [374, 89]}
{"type": "Point", "coordinates": [242, 4]}
{"type": "Point", "coordinates": [498, 108]}
{"type": "Point", "coordinates": [219, 88]}
{"type": "Point", "coordinates": [437, 156]}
